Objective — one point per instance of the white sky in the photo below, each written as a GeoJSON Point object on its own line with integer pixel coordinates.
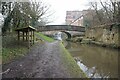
{"type": "Point", "coordinates": [61, 6]}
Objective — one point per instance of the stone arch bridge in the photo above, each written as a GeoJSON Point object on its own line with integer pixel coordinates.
{"type": "Point", "coordinates": [68, 29]}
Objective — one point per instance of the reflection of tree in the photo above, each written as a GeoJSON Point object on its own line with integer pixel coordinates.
{"type": "Point", "coordinates": [104, 60]}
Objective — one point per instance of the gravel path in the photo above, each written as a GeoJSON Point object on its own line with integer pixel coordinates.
{"type": "Point", "coordinates": [42, 61]}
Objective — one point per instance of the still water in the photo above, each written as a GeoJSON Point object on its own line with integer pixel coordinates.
{"type": "Point", "coordinates": [96, 62]}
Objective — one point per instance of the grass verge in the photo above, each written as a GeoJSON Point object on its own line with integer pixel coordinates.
{"type": "Point", "coordinates": [9, 54]}
{"type": "Point", "coordinates": [43, 37]}
{"type": "Point", "coordinates": [71, 65]}
{"type": "Point", "coordinates": [11, 48]}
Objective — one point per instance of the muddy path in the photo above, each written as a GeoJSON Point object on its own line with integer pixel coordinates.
{"type": "Point", "coordinates": [42, 61]}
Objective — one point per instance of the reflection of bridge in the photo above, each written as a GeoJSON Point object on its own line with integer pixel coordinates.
{"type": "Point", "coordinates": [70, 30]}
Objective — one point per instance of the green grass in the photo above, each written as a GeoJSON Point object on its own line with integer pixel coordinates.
{"type": "Point", "coordinates": [9, 54]}
{"type": "Point", "coordinates": [12, 48]}
{"type": "Point", "coordinates": [71, 64]}
{"type": "Point", "coordinates": [42, 36]}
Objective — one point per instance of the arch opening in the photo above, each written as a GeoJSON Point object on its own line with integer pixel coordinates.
{"type": "Point", "coordinates": [68, 34]}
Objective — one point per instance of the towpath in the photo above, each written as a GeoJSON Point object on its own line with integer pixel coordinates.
{"type": "Point", "coordinates": [42, 61]}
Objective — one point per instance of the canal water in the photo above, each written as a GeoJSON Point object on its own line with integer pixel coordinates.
{"type": "Point", "coordinates": [96, 62]}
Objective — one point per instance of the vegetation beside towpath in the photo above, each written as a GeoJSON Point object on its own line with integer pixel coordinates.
{"type": "Point", "coordinates": [13, 49]}
{"type": "Point", "coordinates": [70, 64]}
{"type": "Point", "coordinates": [41, 36]}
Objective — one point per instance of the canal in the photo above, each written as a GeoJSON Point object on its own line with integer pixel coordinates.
{"type": "Point", "coordinates": [96, 62]}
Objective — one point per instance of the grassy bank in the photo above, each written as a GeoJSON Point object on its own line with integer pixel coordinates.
{"type": "Point", "coordinates": [8, 54]}
{"type": "Point", "coordinates": [11, 48]}
{"type": "Point", "coordinates": [70, 64]}
{"type": "Point", "coordinates": [43, 37]}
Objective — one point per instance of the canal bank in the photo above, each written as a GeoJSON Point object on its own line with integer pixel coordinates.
{"type": "Point", "coordinates": [100, 44]}
{"type": "Point", "coordinates": [82, 40]}
{"type": "Point", "coordinates": [95, 61]}
{"type": "Point", "coordinates": [44, 60]}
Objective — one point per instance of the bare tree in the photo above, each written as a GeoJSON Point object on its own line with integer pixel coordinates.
{"type": "Point", "coordinates": [39, 12]}
{"type": "Point", "coordinates": [95, 6]}
{"type": "Point", "coordinates": [24, 13]}
{"type": "Point", "coordinates": [107, 12]}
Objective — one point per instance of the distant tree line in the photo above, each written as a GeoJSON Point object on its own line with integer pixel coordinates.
{"type": "Point", "coordinates": [108, 13]}
{"type": "Point", "coordinates": [104, 13]}
{"type": "Point", "coordinates": [21, 14]}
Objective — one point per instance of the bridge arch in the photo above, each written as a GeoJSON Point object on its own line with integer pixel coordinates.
{"type": "Point", "coordinates": [68, 34]}
{"type": "Point", "coordinates": [61, 27]}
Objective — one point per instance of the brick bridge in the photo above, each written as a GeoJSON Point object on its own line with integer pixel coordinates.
{"type": "Point", "coordinates": [62, 28]}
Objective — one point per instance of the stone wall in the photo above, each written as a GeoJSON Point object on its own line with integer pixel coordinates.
{"type": "Point", "coordinates": [107, 34]}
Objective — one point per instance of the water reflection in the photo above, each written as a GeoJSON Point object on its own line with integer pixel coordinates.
{"type": "Point", "coordinates": [96, 62]}
{"type": "Point", "coordinates": [60, 36]}
{"type": "Point", "coordinates": [57, 36]}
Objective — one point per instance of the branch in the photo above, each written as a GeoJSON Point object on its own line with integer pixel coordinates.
{"type": "Point", "coordinates": [106, 10]}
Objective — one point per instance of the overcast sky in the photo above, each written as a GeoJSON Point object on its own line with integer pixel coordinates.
{"type": "Point", "coordinates": [61, 6]}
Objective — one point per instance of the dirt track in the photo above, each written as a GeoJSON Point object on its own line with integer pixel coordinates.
{"type": "Point", "coordinates": [42, 61]}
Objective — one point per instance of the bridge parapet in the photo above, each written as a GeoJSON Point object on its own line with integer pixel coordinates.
{"type": "Point", "coordinates": [62, 27]}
